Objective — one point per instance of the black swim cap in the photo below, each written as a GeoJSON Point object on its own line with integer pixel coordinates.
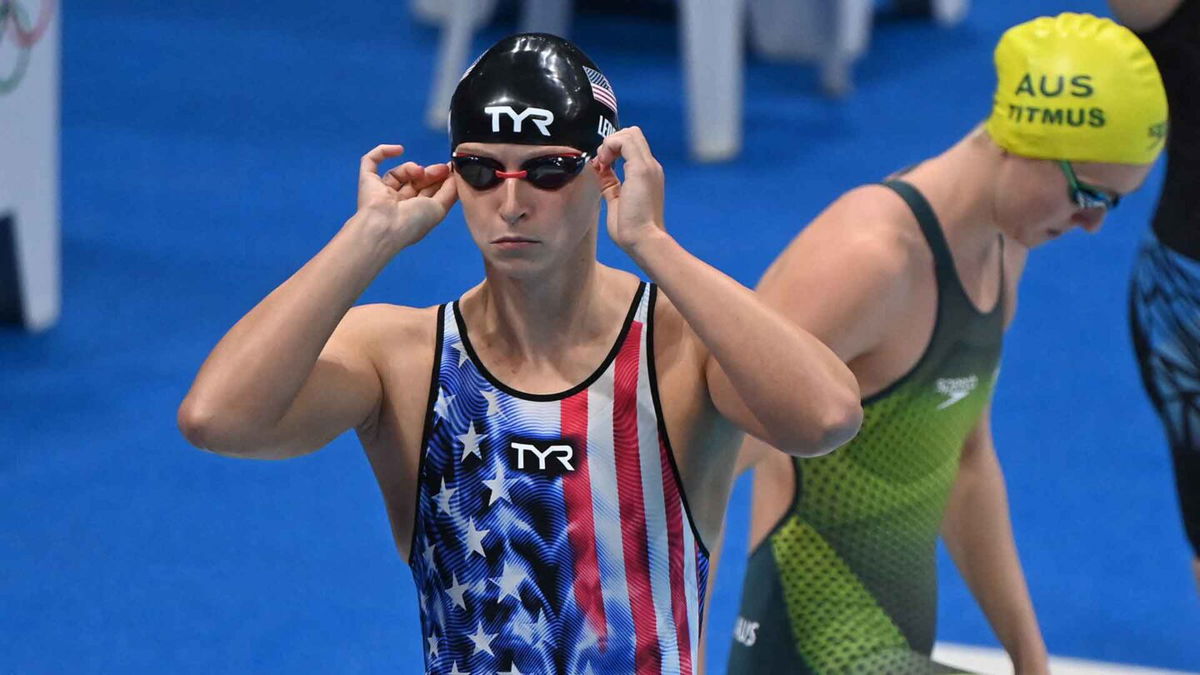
{"type": "Point", "coordinates": [533, 89]}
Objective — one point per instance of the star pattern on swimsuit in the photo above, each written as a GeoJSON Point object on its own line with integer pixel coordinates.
{"type": "Point", "coordinates": [470, 442]}
{"type": "Point", "coordinates": [442, 406]}
{"type": "Point", "coordinates": [498, 485]}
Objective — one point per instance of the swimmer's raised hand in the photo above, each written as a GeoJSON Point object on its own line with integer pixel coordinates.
{"type": "Point", "coordinates": [406, 202]}
{"type": "Point", "coordinates": [635, 206]}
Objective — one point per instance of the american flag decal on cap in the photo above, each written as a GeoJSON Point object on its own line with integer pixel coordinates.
{"type": "Point", "coordinates": [601, 89]}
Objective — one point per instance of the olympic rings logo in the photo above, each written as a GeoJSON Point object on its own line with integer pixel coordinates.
{"type": "Point", "coordinates": [17, 29]}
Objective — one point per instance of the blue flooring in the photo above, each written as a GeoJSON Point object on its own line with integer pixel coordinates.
{"type": "Point", "coordinates": [210, 148]}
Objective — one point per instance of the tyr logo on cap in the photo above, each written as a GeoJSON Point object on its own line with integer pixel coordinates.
{"type": "Point", "coordinates": [542, 118]}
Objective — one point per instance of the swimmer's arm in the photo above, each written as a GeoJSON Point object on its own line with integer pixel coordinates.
{"type": "Point", "coordinates": [764, 374]}
{"type": "Point", "coordinates": [1143, 15]}
{"type": "Point", "coordinates": [292, 374]}
{"type": "Point", "coordinates": [842, 292]}
{"type": "Point", "coordinates": [296, 371]}
{"type": "Point", "coordinates": [979, 536]}
{"type": "Point", "coordinates": [751, 454]}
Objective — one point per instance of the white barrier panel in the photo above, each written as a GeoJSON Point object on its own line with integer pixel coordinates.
{"type": "Point", "coordinates": [30, 233]}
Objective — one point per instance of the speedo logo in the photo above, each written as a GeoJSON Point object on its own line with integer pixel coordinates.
{"type": "Point", "coordinates": [955, 389]}
{"type": "Point", "coordinates": [539, 117]}
{"type": "Point", "coordinates": [745, 631]}
{"type": "Point", "coordinates": [548, 457]}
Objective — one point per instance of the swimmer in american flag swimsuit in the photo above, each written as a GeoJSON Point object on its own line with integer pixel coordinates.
{"type": "Point", "coordinates": [556, 446]}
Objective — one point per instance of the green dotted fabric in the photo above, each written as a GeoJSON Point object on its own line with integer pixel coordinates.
{"type": "Point", "coordinates": [856, 557]}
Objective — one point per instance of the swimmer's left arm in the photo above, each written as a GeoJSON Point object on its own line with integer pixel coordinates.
{"type": "Point", "coordinates": [765, 374]}
{"type": "Point", "coordinates": [979, 536]}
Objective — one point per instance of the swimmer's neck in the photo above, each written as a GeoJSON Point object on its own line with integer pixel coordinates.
{"type": "Point", "coordinates": [960, 185]}
{"type": "Point", "coordinates": [541, 317]}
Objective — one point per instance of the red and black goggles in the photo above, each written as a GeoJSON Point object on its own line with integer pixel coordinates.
{"type": "Point", "coordinates": [548, 172]}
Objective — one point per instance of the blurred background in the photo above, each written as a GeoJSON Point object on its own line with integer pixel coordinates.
{"type": "Point", "coordinates": [208, 149]}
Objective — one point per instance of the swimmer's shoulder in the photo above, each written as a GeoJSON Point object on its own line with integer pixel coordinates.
{"type": "Point", "coordinates": [392, 334]}
{"type": "Point", "coordinates": [869, 229]}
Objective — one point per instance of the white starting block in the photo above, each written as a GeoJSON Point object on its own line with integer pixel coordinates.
{"type": "Point", "coordinates": [30, 232]}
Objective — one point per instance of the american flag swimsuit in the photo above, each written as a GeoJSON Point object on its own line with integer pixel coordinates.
{"type": "Point", "coordinates": [552, 534]}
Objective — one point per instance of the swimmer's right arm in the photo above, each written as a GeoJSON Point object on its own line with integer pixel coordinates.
{"type": "Point", "coordinates": [297, 370]}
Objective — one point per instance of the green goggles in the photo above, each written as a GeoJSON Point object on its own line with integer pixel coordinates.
{"type": "Point", "coordinates": [1087, 196]}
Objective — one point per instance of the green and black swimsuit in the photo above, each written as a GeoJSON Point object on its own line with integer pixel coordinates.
{"type": "Point", "coordinates": [847, 580]}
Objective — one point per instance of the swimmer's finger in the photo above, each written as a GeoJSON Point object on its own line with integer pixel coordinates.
{"type": "Point", "coordinates": [369, 164]}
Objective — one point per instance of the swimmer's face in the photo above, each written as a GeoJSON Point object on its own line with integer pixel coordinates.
{"type": "Point", "coordinates": [522, 229]}
{"type": "Point", "coordinates": [1034, 204]}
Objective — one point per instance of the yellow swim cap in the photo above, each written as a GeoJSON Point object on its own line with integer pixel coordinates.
{"type": "Point", "coordinates": [1079, 88]}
